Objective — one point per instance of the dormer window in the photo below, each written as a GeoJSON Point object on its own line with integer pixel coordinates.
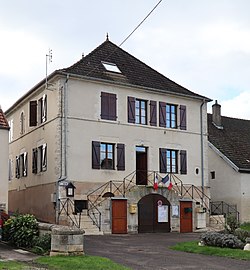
{"type": "Point", "coordinates": [111, 67]}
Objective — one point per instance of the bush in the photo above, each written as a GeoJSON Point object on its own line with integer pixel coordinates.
{"type": "Point", "coordinates": [231, 224]}
{"type": "Point", "coordinates": [242, 234]}
{"type": "Point", "coordinates": [20, 230]}
{"type": "Point", "coordinates": [41, 244]}
{"type": "Point", "coordinates": [221, 240]}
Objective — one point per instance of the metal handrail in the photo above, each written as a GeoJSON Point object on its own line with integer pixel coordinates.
{"type": "Point", "coordinates": [68, 207]}
{"type": "Point", "coordinates": [223, 208]}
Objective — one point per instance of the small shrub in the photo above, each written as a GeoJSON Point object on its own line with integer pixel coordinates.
{"type": "Point", "coordinates": [231, 224]}
{"type": "Point", "coordinates": [221, 240]}
{"type": "Point", "coordinates": [242, 234]}
{"type": "Point", "coordinates": [20, 230]}
{"type": "Point", "coordinates": [41, 244]}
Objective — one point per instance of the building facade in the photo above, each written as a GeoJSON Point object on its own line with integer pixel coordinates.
{"type": "Point", "coordinates": [4, 135]}
{"type": "Point", "coordinates": [229, 163]}
{"type": "Point", "coordinates": [109, 118]}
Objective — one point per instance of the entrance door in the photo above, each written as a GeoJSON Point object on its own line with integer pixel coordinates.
{"type": "Point", "coordinates": [153, 214]}
{"type": "Point", "coordinates": [119, 216]}
{"type": "Point", "coordinates": [186, 217]}
{"type": "Point", "coordinates": [141, 165]}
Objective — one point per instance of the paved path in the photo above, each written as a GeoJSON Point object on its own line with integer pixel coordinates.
{"type": "Point", "coordinates": [150, 251]}
{"type": "Point", "coordinates": [8, 253]}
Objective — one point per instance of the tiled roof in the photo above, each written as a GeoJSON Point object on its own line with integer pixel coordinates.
{"type": "Point", "coordinates": [233, 140]}
{"type": "Point", "coordinates": [3, 120]}
{"type": "Point", "coordinates": [133, 71]}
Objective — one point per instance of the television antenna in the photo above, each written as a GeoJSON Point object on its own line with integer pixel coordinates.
{"type": "Point", "coordinates": [48, 60]}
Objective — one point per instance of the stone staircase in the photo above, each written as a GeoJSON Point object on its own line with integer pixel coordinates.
{"type": "Point", "coordinates": [216, 223]}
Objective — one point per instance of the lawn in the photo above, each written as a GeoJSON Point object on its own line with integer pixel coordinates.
{"type": "Point", "coordinates": [66, 263]}
{"type": "Point", "coordinates": [245, 226]}
{"type": "Point", "coordinates": [193, 247]}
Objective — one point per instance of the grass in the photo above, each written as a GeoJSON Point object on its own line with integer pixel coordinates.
{"type": "Point", "coordinates": [66, 263]}
{"type": "Point", "coordinates": [193, 247]}
{"type": "Point", "coordinates": [245, 226]}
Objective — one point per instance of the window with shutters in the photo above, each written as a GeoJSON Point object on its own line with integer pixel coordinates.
{"type": "Point", "coordinates": [103, 156]}
{"type": "Point", "coordinates": [10, 169]}
{"type": "Point", "coordinates": [11, 125]}
{"type": "Point", "coordinates": [137, 111]}
{"type": "Point", "coordinates": [170, 158]}
{"type": "Point", "coordinates": [108, 106]}
{"type": "Point", "coordinates": [22, 165]}
{"type": "Point", "coordinates": [39, 159]}
{"type": "Point", "coordinates": [38, 111]}
{"type": "Point", "coordinates": [107, 156]}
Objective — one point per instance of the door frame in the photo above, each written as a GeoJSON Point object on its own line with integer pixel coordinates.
{"type": "Point", "coordinates": [119, 223]}
{"type": "Point", "coordinates": [186, 219]}
{"type": "Point", "coordinates": [141, 173]}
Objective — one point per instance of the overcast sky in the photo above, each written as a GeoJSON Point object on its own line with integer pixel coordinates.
{"type": "Point", "coordinates": [202, 45]}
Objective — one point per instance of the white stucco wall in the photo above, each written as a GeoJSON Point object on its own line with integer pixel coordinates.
{"type": "Point", "coordinates": [85, 125]}
{"type": "Point", "coordinates": [4, 153]}
{"type": "Point", "coordinates": [229, 185]}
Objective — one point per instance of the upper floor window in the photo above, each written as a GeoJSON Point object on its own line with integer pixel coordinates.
{"type": "Point", "coordinates": [108, 106]}
{"type": "Point", "coordinates": [22, 165]}
{"type": "Point", "coordinates": [103, 156]}
{"type": "Point", "coordinates": [22, 123]}
{"type": "Point", "coordinates": [38, 111]}
{"type": "Point", "coordinates": [39, 159]}
{"type": "Point", "coordinates": [171, 116]}
{"type": "Point", "coordinates": [168, 116]}
{"type": "Point", "coordinates": [107, 156]}
{"type": "Point", "coordinates": [169, 160]}
{"type": "Point", "coordinates": [140, 111]}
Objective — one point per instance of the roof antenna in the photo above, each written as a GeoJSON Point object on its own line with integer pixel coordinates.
{"type": "Point", "coordinates": [107, 37]}
{"type": "Point", "coordinates": [48, 60]}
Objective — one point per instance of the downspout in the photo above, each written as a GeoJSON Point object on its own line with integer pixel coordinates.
{"type": "Point", "coordinates": [63, 159]}
{"type": "Point", "coordinates": [202, 152]}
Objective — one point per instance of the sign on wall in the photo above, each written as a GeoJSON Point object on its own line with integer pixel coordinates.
{"type": "Point", "coordinates": [162, 213]}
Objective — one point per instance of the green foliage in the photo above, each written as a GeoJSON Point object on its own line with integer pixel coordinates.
{"type": "Point", "coordinates": [41, 244]}
{"type": "Point", "coordinates": [20, 230]}
{"type": "Point", "coordinates": [193, 247]}
{"type": "Point", "coordinates": [242, 234]}
{"type": "Point", "coordinates": [245, 226]}
{"type": "Point", "coordinates": [231, 224]}
{"type": "Point", "coordinates": [221, 240]}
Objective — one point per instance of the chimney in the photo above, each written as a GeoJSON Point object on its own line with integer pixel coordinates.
{"type": "Point", "coordinates": [216, 109]}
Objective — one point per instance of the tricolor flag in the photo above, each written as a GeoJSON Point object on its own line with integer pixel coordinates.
{"type": "Point", "coordinates": [155, 182]}
{"type": "Point", "coordinates": [167, 181]}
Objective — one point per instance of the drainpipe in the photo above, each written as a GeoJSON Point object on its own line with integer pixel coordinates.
{"type": "Point", "coordinates": [202, 152]}
{"type": "Point", "coordinates": [64, 126]}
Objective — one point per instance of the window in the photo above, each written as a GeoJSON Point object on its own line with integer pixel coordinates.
{"type": "Point", "coordinates": [111, 67]}
{"type": "Point", "coordinates": [38, 111]}
{"type": "Point", "coordinates": [171, 119]}
{"type": "Point", "coordinates": [22, 123]}
{"type": "Point", "coordinates": [11, 130]}
{"type": "Point", "coordinates": [137, 111]}
{"type": "Point", "coordinates": [141, 112]}
{"type": "Point", "coordinates": [39, 159]}
{"type": "Point", "coordinates": [10, 169]}
{"type": "Point", "coordinates": [22, 165]}
{"type": "Point", "coordinates": [108, 106]}
{"type": "Point", "coordinates": [170, 158]}
{"type": "Point", "coordinates": [107, 156]}
{"type": "Point", "coordinates": [212, 175]}
{"type": "Point", "coordinates": [168, 116]}
{"type": "Point", "coordinates": [103, 156]}
{"type": "Point", "coordinates": [171, 161]}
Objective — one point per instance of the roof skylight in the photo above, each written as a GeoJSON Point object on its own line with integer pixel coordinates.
{"type": "Point", "coordinates": [111, 67]}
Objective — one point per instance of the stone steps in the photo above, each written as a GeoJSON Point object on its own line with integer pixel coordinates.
{"type": "Point", "coordinates": [217, 222]}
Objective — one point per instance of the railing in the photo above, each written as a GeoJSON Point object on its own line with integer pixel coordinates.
{"type": "Point", "coordinates": [67, 207]}
{"type": "Point", "coordinates": [223, 208]}
{"type": "Point", "coordinates": [110, 189]}
{"type": "Point", "coordinates": [121, 188]}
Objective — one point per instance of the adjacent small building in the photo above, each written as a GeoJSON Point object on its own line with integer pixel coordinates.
{"type": "Point", "coordinates": [4, 155]}
{"type": "Point", "coordinates": [113, 140]}
{"type": "Point", "coordinates": [229, 162]}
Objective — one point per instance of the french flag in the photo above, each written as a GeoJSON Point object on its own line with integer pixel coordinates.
{"type": "Point", "coordinates": [167, 181]}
